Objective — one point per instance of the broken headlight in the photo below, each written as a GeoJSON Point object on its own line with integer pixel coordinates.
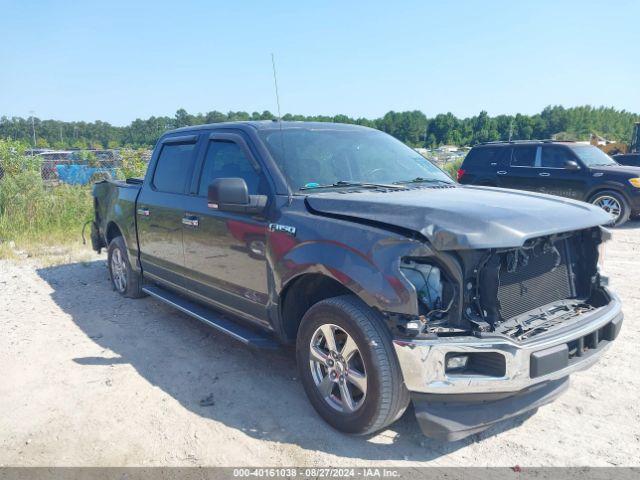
{"type": "Point", "coordinates": [433, 289]}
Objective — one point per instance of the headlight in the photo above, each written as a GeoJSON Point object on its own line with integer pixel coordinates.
{"type": "Point", "coordinates": [635, 182]}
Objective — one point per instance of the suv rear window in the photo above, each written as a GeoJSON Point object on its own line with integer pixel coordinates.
{"type": "Point", "coordinates": [174, 167]}
{"type": "Point", "coordinates": [524, 156]}
{"type": "Point", "coordinates": [484, 156]}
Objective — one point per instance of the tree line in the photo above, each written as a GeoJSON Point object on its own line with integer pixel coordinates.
{"type": "Point", "coordinates": [412, 127]}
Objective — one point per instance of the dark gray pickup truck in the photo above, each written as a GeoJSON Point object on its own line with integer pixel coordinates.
{"type": "Point", "coordinates": [394, 283]}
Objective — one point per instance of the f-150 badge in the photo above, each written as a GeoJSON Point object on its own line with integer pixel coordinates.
{"type": "Point", "coordinates": [276, 227]}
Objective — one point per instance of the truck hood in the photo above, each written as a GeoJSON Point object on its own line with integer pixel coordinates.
{"type": "Point", "coordinates": [463, 217]}
{"type": "Point", "coordinates": [617, 169]}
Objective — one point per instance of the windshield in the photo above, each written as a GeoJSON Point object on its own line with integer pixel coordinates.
{"type": "Point", "coordinates": [314, 157]}
{"type": "Point", "coordinates": [592, 156]}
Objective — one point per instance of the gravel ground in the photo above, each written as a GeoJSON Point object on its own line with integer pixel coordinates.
{"type": "Point", "coordinates": [88, 378]}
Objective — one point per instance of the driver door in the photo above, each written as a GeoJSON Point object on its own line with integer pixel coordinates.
{"type": "Point", "coordinates": [554, 178]}
{"type": "Point", "coordinates": [225, 252]}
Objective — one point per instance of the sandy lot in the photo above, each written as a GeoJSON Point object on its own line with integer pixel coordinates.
{"type": "Point", "coordinates": [89, 378]}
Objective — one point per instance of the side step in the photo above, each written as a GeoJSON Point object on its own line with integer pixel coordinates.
{"type": "Point", "coordinates": [212, 318]}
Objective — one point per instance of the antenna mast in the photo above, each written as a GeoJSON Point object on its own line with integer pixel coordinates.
{"type": "Point", "coordinates": [275, 82]}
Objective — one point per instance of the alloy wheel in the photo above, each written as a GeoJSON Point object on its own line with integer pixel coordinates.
{"type": "Point", "coordinates": [610, 205]}
{"type": "Point", "coordinates": [337, 368]}
{"type": "Point", "coordinates": [118, 271]}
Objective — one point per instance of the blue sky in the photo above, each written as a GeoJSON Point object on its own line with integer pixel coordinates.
{"type": "Point", "coordinates": [121, 60]}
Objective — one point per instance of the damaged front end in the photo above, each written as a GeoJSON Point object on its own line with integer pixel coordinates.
{"type": "Point", "coordinates": [526, 291]}
{"type": "Point", "coordinates": [499, 334]}
{"type": "Point", "coordinates": [517, 292]}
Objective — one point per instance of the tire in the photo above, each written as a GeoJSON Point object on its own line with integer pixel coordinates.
{"type": "Point", "coordinates": [386, 396]}
{"type": "Point", "coordinates": [124, 279]}
{"type": "Point", "coordinates": [613, 202]}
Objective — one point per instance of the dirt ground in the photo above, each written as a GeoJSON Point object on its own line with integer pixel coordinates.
{"type": "Point", "coordinates": [88, 378]}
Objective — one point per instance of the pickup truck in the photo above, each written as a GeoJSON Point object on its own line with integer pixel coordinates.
{"type": "Point", "coordinates": [394, 283]}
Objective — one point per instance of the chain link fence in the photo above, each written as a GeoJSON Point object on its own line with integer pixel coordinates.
{"type": "Point", "coordinates": [83, 167]}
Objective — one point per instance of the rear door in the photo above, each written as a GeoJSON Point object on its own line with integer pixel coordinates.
{"type": "Point", "coordinates": [225, 252]}
{"type": "Point", "coordinates": [161, 207]}
{"type": "Point", "coordinates": [521, 173]}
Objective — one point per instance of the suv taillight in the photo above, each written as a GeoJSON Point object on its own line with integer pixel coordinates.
{"type": "Point", "coordinates": [461, 173]}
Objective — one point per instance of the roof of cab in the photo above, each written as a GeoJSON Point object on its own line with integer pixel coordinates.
{"type": "Point", "coordinates": [505, 143]}
{"type": "Point", "coordinates": [271, 125]}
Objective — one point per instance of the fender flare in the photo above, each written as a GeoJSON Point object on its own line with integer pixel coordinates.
{"type": "Point", "coordinates": [384, 290]}
{"type": "Point", "coordinates": [609, 185]}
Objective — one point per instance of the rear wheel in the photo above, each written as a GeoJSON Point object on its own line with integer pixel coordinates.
{"type": "Point", "coordinates": [348, 366]}
{"type": "Point", "coordinates": [613, 203]}
{"type": "Point", "coordinates": [124, 279]}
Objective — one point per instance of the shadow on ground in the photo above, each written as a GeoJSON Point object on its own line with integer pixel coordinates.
{"type": "Point", "coordinates": [253, 391]}
{"type": "Point", "coordinates": [631, 224]}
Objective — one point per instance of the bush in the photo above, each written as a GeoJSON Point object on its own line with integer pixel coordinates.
{"type": "Point", "coordinates": [133, 163]}
{"type": "Point", "coordinates": [30, 211]}
{"type": "Point", "coordinates": [452, 168]}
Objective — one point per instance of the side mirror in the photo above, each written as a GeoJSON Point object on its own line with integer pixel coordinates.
{"type": "Point", "coordinates": [571, 165]}
{"type": "Point", "coordinates": [232, 195]}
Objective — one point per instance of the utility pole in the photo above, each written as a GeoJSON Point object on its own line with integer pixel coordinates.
{"type": "Point", "coordinates": [33, 127]}
{"type": "Point", "coordinates": [510, 129]}
{"type": "Point", "coordinates": [61, 134]}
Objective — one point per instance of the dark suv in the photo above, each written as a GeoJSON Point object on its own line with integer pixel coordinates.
{"type": "Point", "coordinates": [568, 169]}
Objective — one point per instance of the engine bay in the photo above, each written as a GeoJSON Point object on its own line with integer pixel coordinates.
{"type": "Point", "coordinates": [517, 292]}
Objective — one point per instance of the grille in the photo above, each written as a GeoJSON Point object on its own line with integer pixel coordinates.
{"type": "Point", "coordinates": [535, 284]}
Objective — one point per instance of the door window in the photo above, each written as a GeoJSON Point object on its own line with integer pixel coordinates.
{"type": "Point", "coordinates": [174, 167]}
{"type": "Point", "coordinates": [524, 156]}
{"type": "Point", "coordinates": [485, 156]}
{"type": "Point", "coordinates": [554, 157]}
{"type": "Point", "coordinates": [225, 159]}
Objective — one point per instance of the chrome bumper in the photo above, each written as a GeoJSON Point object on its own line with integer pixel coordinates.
{"type": "Point", "coordinates": [423, 361]}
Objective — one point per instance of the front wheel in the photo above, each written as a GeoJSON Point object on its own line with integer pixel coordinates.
{"type": "Point", "coordinates": [124, 279]}
{"type": "Point", "coordinates": [348, 366]}
{"type": "Point", "coordinates": [613, 203]}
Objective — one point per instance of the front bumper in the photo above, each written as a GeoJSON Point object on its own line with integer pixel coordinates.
{"type": "Point", "coordinates": [543, 359]}
{"type": "Point", "coordinates": [457, 416]}
{"type": "Point", "coordinates": [634, 199]}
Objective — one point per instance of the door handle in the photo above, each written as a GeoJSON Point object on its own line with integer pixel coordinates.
{"type": "Point", "coordinates": [544, 174]}
{"type": "Point", "coordinates": [191, 221]}
{"type": "Point", "coordinates": [501, 172]}
{"type": "Point", "coordinates": [143, 211]}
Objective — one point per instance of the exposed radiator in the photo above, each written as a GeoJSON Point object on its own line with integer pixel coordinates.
{"type": "Point", "coordinates": [536, 283]}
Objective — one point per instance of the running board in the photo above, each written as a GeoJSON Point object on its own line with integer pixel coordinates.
{"type": "Point", "coordinates": [212, 318]}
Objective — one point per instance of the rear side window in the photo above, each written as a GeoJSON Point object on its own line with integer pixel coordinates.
{"type": "Point", "coordinates": [226, 159]}
{"type": "Point", "coordinates": [174, 167]}
{"type": "Point", "coordinates": [484, 157]}
{"type": "Point", "coordinates": [524, 156]}
{"type": "Point", "coordinates": [555, 157]}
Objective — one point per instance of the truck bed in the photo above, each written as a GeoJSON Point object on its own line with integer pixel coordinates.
{"type": "Point", "coordinates": [115, 213]}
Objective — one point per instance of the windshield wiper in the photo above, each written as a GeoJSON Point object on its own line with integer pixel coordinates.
{"type": "Point", "coordinates": [422, 180]}
{"type": "Point", "coordinates": [343, 183]}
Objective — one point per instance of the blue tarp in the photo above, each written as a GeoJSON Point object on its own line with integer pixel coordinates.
{"type": "Point", "coordinates": [81, 174]}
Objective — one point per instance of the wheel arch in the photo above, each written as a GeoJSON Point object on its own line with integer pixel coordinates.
{"type": "Point", "coordinates": [300, 294]}
{"type": "Point", "coordinates": [112, 231]}
{"type": "Point", "coordinates": [616, 188]}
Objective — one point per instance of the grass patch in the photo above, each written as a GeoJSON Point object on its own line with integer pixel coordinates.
{"type": "Point", "coordinates": [33, 213]}
{"type": "Point", "coordinates": [35, 217]}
